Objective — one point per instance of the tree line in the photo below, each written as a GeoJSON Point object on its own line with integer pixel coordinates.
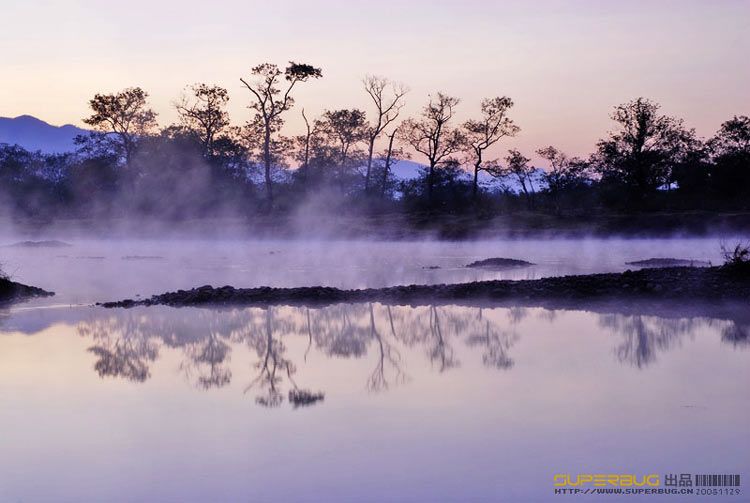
{"type": "Point", "coordinates": [204, 165]}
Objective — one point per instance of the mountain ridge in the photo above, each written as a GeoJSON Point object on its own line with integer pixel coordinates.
{"type": "Point", "coordinates": [35, 134]}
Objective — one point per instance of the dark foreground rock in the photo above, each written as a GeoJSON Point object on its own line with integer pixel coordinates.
{"type": "Point", "coordinates": [688, 283]}
{"type": "Point", "coordinates": [500, 263]}
{"type": "Point", "coordinates": [10, 291]}
{"type": "Point", "coordinates": [669, 262]}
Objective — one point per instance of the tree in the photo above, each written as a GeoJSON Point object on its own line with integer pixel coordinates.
{"type": "Point", "coordinates": [483, 133]}
{"type": "Point", "coordinates": [641, 153]}
{"type": "Point", "coordinates": [564, 172]}
{"type": "Point", "coordinates": [204, 115]}
{"type": "Point", "coordinates": [270, 102]}
{"type": "Point", "coordinates": [518, 168]}
{"type": "Point", "coordinates": [730, 150]}
{"type": "Point", "coordinates": [432, 136]}
{"type": "Point", "coordinates": [389, 155]}
{"type": "Point", "coordinates": [304, 143]}
{"type": "Point", "coordinates": [344, 129]}
{"type": "Point", "coordinates": [126, 115]}
{"type": "Point", "coordinates": [387, 109]}
{"type": "Point", "coordinates": [733, 136]}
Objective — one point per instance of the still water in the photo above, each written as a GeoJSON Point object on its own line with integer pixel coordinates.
{"type": "Point", "coordinates": [432, 403]}
{"type": "Point", "coordinates": [429, 403]}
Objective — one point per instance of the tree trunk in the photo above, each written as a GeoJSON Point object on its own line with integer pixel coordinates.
{"type": "Point", "coordinates": [477, 167]}
{"type": "Point", "coordinates": [430, 181]}
{"type": "Point", "coordinates": [369, 164]}
{"type": "Point", "coordinates": [475, 185]}
{"type": "Point", "coordinates": [387, 166]}
{"type": "Point", "coordinates": [267, 166]}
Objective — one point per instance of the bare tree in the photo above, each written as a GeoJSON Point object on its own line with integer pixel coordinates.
{"type": "Point", "coordinates": [432, 136]}
{"type": "Point", "coordinates": [125, 114]}
{"type": "Point", "coordinates": [483, 133]}
{"type": "Point", "coordinates": [387, 109]}
{"type": "Point", "coordinates": [270, 102]}
{"type": "Point", "coordinates": [204, 114]}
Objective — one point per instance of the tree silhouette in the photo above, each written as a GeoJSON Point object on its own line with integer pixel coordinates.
{"type": "Point", "coordinates": [642, 152]}
{"type": "Point", "coordinates": [124, 114]}
{"type": "Point", "coordinates": [270, 101]}
{"type": "Point", "coordinates": [204, 115]}
{"type": "Point", "coordinates": [387, 109]}
{"type": "Point", "coordinates": [519, 169]}
{"type": "Point", "coordinates": [483, 133]}
{"type": "Point", "coordinates": [432, 135]}
{"type": "Point", "coordinates": [344, 130]}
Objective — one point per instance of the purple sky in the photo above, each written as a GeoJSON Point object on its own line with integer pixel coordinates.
{"type": "Point", "coordinates": [565, 63]}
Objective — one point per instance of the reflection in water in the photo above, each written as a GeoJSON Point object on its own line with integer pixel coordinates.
{"type": "Point", "coordinates": [272, 364]}
{"type": "Point", "coordinates": [123, 347]}
{"type": "Point", "coordinates": [151, 402]}
{"type": "Point", "coordinates": [127, 342]}
{"type": "Point", "coordinates": [736, 334]}
{"type": "Point", "coordinates": [645, 336]}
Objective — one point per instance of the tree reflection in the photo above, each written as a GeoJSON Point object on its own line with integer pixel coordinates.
{"type": "Point", "coordinates": [646, 336]}
{"type": "Point", "coordinates": [206, 358]}
{"type": "Point", "coordinates": [341, 330]}
{"type": "Point", "coordinates": [388, 357]}
{"type": "Point", "coordinates": [271, 365]}
{"type": "Point", "coordinates": [126, 343]}
{"type": "Point", "coordinates": [122, 348]}
{"type": "Point", "coordinates": [736, 334]}
{"type": "Point", "coordinates": [495, 341]}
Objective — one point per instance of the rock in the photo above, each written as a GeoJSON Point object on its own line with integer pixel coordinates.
{"type": "Point", "coordinates": [669, 262]}
{"type": "Point", "coordinates": [500, 263]}
{"type": "Point", "coordinates": [705, 283]}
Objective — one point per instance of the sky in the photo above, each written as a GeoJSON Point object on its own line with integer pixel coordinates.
{"type": "Point", "coordinates": [565, 64]}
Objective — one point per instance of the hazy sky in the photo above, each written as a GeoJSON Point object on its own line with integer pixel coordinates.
{"type": "Point", "coordinates": [564, 63]}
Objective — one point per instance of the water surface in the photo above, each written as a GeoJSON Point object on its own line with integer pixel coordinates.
{"type": "Point", "coordinates": [433, 403]}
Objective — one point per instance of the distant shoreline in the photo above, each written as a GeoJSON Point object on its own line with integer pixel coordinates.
{"type": "Point", "coordinates": [402, 227]}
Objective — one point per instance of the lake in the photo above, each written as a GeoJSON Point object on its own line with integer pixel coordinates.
{"type": "Point", "coordinates": [429, 403]}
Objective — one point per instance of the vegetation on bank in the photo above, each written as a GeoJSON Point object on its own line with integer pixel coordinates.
{"type": "Point", "coordinates": [206, 166]}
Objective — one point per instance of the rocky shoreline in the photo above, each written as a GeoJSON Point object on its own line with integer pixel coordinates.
{"type": "Point", "coordinates": [670, 283]}
{"type": "Point", "coordinates": [10, 291]}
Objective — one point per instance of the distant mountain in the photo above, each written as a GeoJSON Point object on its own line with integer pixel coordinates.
{"type": "Point", "coordinates": [35, 134]}
{"type": "Point", "coordinates": [409, 170]}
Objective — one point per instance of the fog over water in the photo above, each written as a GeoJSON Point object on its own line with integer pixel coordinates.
{"type": "Point", "coordinates": [93, 270]}
{"type": "Point", "coordinates": [431, 403]}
